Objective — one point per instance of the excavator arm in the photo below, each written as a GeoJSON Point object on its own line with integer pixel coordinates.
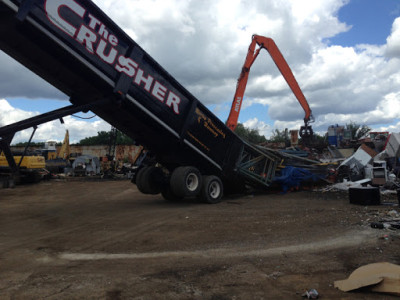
{"type": "Point", "coordinates": [270, 46]}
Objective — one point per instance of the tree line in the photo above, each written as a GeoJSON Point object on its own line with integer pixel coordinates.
{"type": "Point", "coordinates": [248, 134]}
{"type": "Point", "coordinates": [282, 136]}
{"type": "Point", "coordinates": [102, 138]}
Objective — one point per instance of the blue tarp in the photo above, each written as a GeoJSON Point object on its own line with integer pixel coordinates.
{"type": "Point", "coordinates": [296, 152]}
{"type": "Point", "coordinates": [291, 177]}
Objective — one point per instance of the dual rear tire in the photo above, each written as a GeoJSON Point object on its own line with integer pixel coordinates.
{"type": "Point", "coordinates": [184, 182]}
{"type": "Point", "coordinates": [212, 189]}
{"type": "Point", "coordinates": [150, 180]}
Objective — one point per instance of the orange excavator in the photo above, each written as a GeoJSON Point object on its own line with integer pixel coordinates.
{"type": "Point", "coordinates": [267, 43]}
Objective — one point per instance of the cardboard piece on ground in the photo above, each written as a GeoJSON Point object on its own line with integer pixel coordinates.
{"type": "Point", "coordinates": [379, 277]}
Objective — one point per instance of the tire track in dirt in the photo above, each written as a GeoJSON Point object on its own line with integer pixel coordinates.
{"type": "Point", "coordinates": [349, 239]}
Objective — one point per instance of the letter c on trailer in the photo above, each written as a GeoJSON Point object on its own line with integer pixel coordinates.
{"type": "Point", "coordinates": [53, 7]}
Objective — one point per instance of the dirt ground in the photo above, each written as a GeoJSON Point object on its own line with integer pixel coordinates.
{"type": "Point", "coordinates": [105, 240]}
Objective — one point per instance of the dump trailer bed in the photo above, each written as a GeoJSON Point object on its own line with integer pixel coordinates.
{"type": "Point", "coordinates": [77, 48]}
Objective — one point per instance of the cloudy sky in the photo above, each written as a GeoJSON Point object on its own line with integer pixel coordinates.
{"type": "Point", "coordinates": [345, 55]}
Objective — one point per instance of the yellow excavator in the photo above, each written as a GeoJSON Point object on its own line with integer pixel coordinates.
{"type": "Point", "coordinates": [35, 166]}
{"type": "Point", "coordinates": [56, 161]}
{"type": "Point", "coordinates": [32, 168]}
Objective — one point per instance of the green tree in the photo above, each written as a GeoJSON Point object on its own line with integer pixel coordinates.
{"type": "Point", "coordinates": [249, 135]}
{"type": "Point", "coordinates": [32, 144]}
{"type": "Point", "coordinates": [320, 139]}
{"type": "Point", "coordinates": [123, 139]}
{"type": "Point", "coordinates": [317, 141]}
{"type": "Point", "coordinates": [357, 130]}
{"type": "Point", "coordinates": [280, 136]}
{"type": "Point", "coordinates": [103, 138]}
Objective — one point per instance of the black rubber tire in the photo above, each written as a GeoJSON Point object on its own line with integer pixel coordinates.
{"type": "Point", "coordinates": [170, 196]}
{"type": "Point", "coordinates": [150, 180]}
{"type": "Point", "coordinates": [134, 176]}
{"type": "Point", "coordinates": [186, 181]}
{"type": "Point", "coordinates": [212, 190]}
{"type": "Point", "coordinates": [140, 179]}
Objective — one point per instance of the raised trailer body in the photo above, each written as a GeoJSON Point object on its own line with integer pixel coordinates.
{"type": "Point", "coordinates": [77, 48]}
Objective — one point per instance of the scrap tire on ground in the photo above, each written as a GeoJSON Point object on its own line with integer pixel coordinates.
{"type": "Point", "coordinates": [212, 190]}
{"type": "Point", "coordinates": [365, 195]}
{"type": "Point", "coordinates": [186, 181]}
{"type": "Point", "coordinates": [149, 180]}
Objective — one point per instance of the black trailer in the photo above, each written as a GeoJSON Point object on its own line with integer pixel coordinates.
{"type": "Point", "coordinates": [77, 48]}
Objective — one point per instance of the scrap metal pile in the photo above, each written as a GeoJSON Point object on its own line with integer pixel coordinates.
{"type": "Point", "coordinates": [342, 168]}
{"type": "Point", "coordinates": [367, 166]}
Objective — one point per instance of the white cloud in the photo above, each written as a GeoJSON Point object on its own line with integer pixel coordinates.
{"type": "Point", "coordinates": [393, 41]}
{"type": "Point", "coordinates": [78, 129]}
{"type": "Point", "coordinates": [10, 114]}
{"type": "Point", "coordinates": [18, 81]}
{"type": "Point", "coordinates": [390, 128]}
{"type": "Point", "coordinates": [204, 43]}
{"type": "Point", "coordinates": [262, 127]}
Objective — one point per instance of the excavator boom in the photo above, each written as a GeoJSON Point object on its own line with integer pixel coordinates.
{"type": "Point", "coordinates": [273, 50]}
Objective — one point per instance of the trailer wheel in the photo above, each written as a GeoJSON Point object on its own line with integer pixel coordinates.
{"type": "Point", "coordinates": [170, 196]}
{"type": "Point", "coordinates": [149, 180]}
{"type": "Point", "coordinates": [139, 179]}
{"type": "Point", "coordinates": [134, 176]}
{"type": "Point", "coordinates": [186, 181]}
{"type": "Point", "coordinates": [212, 189]}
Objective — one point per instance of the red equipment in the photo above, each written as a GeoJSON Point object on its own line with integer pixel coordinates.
{"type": "Point", "coordinates": [270, 46]}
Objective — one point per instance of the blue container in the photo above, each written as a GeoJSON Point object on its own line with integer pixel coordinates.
{"type": "Point", "coordinates": [332, 140]}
